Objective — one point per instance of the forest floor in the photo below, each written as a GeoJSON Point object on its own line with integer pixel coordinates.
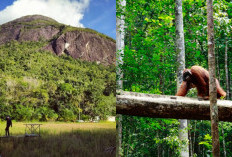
{"type": "Point", "coordinates": [60, 139]}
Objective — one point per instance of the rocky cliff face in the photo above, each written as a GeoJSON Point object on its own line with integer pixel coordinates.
{"type": "Point", "coordinates": [81, 43]}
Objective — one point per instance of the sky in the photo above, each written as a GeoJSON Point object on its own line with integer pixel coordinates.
{"type": "Point", "coordinates": [99, 15]}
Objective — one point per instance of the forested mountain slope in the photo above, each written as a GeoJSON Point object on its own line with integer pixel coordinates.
{"type": "Point", "coordinates": [37, 84]}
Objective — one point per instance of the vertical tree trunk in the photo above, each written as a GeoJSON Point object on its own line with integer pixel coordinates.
{"type": "Point", "coordinates": [183, 136]}
{"type": "Point", "coordinates": [180, 51]}
{"type": "Point", "coordinates": [119, 61]}
{"type": "Point", "coordinates": [221, 123]}
{"type": "Point", "coordinates": [180, 48]}
{"type": "Point", "coordinates": [217, 60]}
{"type": "Point", "coordinates": [230, 83]}
{"type": "Point", "coordinates": [226, 70]}
{"type": "Point", "coordinates": [120, 46]}
{"type": "Point", "coordinates": [212, 81]}
{"type": "Point", "coordinates": [119, 135]}
{"type": "Point", "coordinates": [190, 141]}
{"type": "Point", "coordinates": [223, 140]}
{"type": "Point", "coordinates": [199, 145]}
{"type": "Point", "coordinates": [194, 136]}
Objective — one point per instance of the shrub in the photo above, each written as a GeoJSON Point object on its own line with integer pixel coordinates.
{"type": "Point", "coordinates": [45, 114]}
{"type": "Point", "coordinates": [67, 115]}
{"type": "Point", "coordinates": [6, 110]}
{"type": "Point", "coordinates": [85, 117]}
{"type": "Point", "coordinates": [23, 113]}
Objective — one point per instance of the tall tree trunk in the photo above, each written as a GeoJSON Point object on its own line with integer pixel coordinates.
{"type": "Point", "coordinates": [223, 141]}
{"type": "Point", "coordinates": [119, 61]}
{"type": "Point", "coordinates": [217, 60]}
{"type": "Point", "coordinates": [161, 75]}
{"type": "Point", "coordinates": [199, 145]}
{"type": "Point", "coordinates": [230, 83]}
{"type": "Point", "coordinates": [119, 135]}
{"type": "Point", "coordinates": [194, 136]}
{"type": "Point", "coordinates": [218, 73]}
{"type": "Point", "coordinates": [226, 70]}
{"type": "Point", "coordinates": [180, 51]}
{"type": "Point", "coordinates": [190, 140]}
{"type": "Point", "coordinates": [212, 81]}
{"type": "Point", "coordinates": [180, 48]}
{"type": "Point", "coordinates": [120, 34]}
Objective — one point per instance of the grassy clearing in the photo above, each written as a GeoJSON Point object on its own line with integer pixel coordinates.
{"type": "Point", "coordinates": [56, 127]}
{"type": "Point", "coordinates": [61, 140]}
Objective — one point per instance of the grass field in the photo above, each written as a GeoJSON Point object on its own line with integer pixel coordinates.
{"type": "Point", "coordinates": [60, 139]}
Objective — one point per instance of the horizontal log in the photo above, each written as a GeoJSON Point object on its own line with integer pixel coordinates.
{"type": "Point", "coordinates": [163, 106]}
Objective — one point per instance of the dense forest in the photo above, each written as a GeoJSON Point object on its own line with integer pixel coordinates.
{"type": "Point", "coordinates": [38, 85]}
{"type": "Point", "coordinates": [150, 66]}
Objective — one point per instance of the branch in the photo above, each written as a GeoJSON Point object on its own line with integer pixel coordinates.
{"type": "Point", "coordinates": [163, 106]}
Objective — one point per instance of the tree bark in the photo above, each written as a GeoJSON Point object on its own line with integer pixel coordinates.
{"type": "Point", "coordinates": [180, 51]}
{"type": "Point", "coordinates": [226, 70]}
{"type": "Point", "coordinates": [223, 141]}
{"type": "Point", "coordinates": [119, 135]}
{"type": "Point", "coordinates": [194, 136]}
{"type": "Point", "coordinates": [212, 81]}
{"type": "Point", "coordinates": [217, 60]}
{"type": "Point", "coordinates": [180, 48]}
{"type": "Point", "coordinates": [163, 106]}
{"type": "Point", "coordinates": [119, 61]}
{"type": "Point", "coordinates": [120, 34]}
{"type": "Point", "coordinates": [190, 140]}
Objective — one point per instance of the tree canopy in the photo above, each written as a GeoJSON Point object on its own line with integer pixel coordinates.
{"type": "Point", "coordinates": [36, 84]}
{"type": "Point", "coordinates": [150, 66]}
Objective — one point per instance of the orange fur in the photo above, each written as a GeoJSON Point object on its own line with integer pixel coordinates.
{"type": "Point", "coordinates": [200, 79]}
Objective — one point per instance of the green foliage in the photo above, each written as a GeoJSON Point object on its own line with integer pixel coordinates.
{"type": "Point", "coordinates": [149, 66]}
{"type": "Point", "coordinates": [23, 113]}
{"type": "Point", "coordinates": [207, 142]}
{"type": "Point", "coordinates": [147, 137]}
{"type": "Point", "coordinates": [149, 47]}
{"type": "Point", "coordinates": [36, 84]}
{"type": "Point", "coordinates": [45, 114]}
{"type": "Point", "coordinates": [104, 107]}
{"type": "Point", "coordinates": [67, 115]}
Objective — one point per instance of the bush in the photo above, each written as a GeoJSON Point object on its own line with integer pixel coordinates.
{"type": "Point", "coordinates": [45, 114]}
{"type": "Point", "coordinates": [6, 110]}
{"type": "Point", "coordinates": [67, 115]}
{"type": "Point", "coordinates": [85, 117]}
{"type": "Point", "coordinates": [23, 113]}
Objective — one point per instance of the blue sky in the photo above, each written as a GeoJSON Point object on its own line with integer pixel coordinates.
{"type": "Point", "coordinates": [99, 15]}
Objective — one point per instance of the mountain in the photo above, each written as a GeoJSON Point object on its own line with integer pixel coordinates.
{"type": "Point", "coordinates": [37, 82]}
{"type": "Point", "coordinates": [79, 43]}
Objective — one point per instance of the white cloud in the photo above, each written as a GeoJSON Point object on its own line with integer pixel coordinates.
{"type": "Point", "coordinates": [69, 12]}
